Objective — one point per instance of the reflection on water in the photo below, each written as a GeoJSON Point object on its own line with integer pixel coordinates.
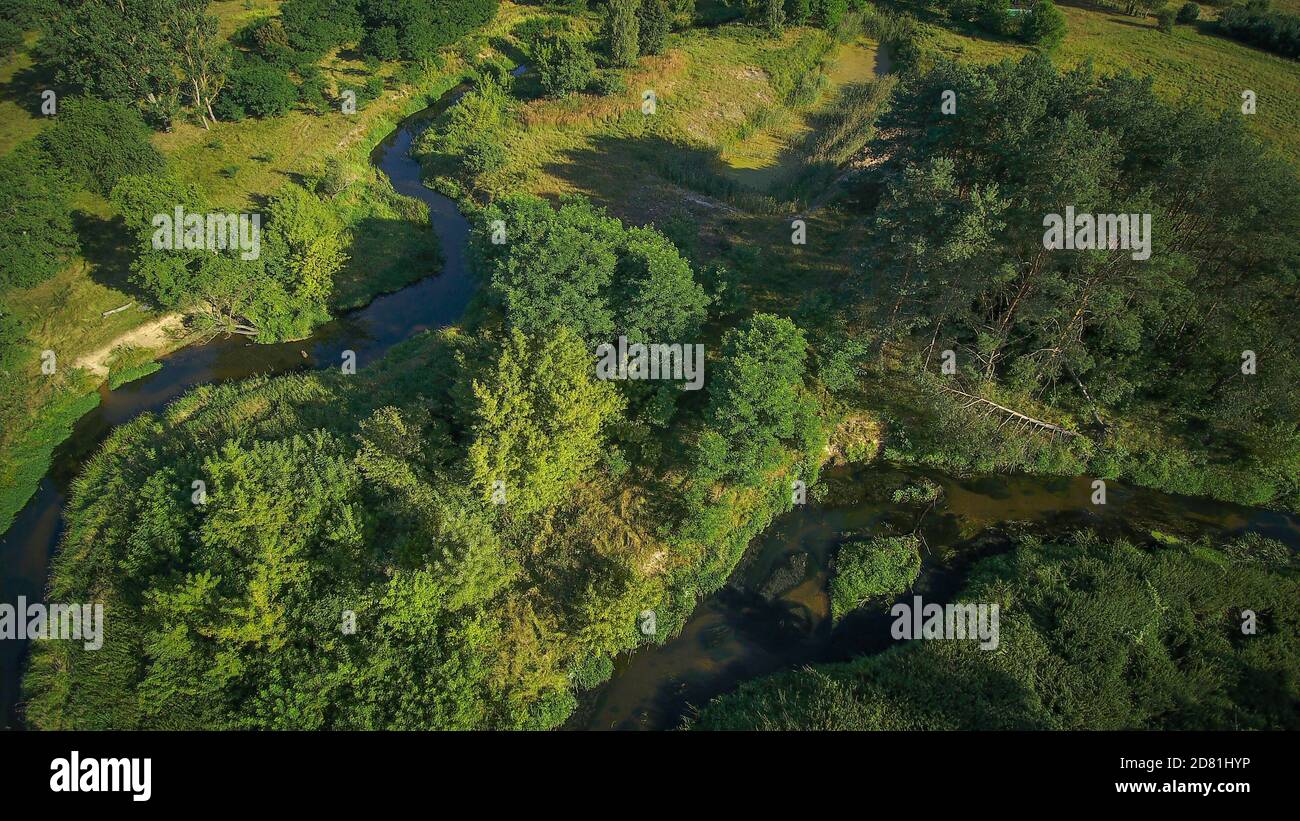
{"type": "Point", "coordinates": [754, 626]}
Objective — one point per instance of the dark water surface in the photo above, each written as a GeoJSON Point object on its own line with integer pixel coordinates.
{"type": "Point", "coordinates": [755, 626]}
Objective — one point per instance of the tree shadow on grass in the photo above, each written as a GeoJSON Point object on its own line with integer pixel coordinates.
{"type": "Point", "coordinates": [25, 87]}
{"type": "Point", "coordinates": [625, 174]}
{"type": "Point", "coordinates": [109, 249]}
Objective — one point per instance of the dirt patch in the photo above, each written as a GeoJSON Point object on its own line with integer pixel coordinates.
{"type": "Point", "coordinates": [155, 334]}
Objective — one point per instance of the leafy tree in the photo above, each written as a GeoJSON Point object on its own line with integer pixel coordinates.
{"type": "Point", "coordinates": [1066, 657]}
{"type": "Point", "coordinates": [422, 27]}
{"type": "Point", "coordinates": [98, 142]}
{"type": "Point", "coordinates": [203, 55]}
{"type": "Point", "coordinates": [258, 88]}
{"type": "Point", "coordinates": [577, 267]}
{"type": "Point", "coordinates": [1189, 13]}
{"type": "Point", "coordinates": [622, 31]}
{"type": "Point", "coordinates": [537, 420]}
{"type": "Point", "coordinates": [11, 37]}
{"type": "Point", "coordinates": [756, 396]}
{"type": "Point", "coordinates": [773, 12]}
{"type": "Point", "coordinates": [316, 26]}
{"type": "Point", "coordinates": [38, 235]}
{"type": "Point", "coordinates": [959, 260]}
{"type": "Point", "coordinates": [683, 13]}
{"type": "Point", "coordinates": [653, 24]}
{"type": "Point", "coordinates": [1255, 23]}
{"type": "Point", "coordinates": [115, 51]}
{"type": "Point", "coordinates": [306, 244]}
{"type": "Point", "coordinates": [1165, 19]}
{"type": "Point", "coordinates": [564, 65]}
{"type": "Point", "coordinates": [1044, 26]}
{"type": "Point", "coordinates": [798, 12]}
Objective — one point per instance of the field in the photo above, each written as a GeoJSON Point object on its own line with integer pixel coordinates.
{"type": "Point", "coordinates": [1192, 64]}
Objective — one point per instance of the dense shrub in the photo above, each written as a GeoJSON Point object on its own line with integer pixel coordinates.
{"type": "Point", "coordinates": [564, 65]}
{"type": "Point", "coordinates": [873, 569]}
{"type": "Point", "coordinates": [38, 234]}
{"type": "Point", "coordinates": [419, 28]}
{"type": "Point", "coordinates": [11, 37]}
{"type": "Point", "coordinates": [257, 88]}
{"type": "Point", "coordinates": [1165, 19]}
{"type": "Point", "coordinates": [1092, 635]}
{"type": "Point", "coordinates": [1189, 13]}
{"type": "Point", "coordinates": [621, 31]}
{"type": "Point", "coordinates": [654, 22]}
{"type": "Point", "coordinates": [316, 26]}
{"type": "Point", "coordinates": [98, 142]}
{"type": "Point", "coordinates": [1044, 26]}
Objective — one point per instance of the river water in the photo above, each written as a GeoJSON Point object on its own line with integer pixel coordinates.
{"type": "Point", "coordinates": [745, 630]}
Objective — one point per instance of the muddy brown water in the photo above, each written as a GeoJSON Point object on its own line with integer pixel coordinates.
{"type": "Point", "coordinates": [749, 629]}
{"type": "Point", "coordinates": [733, 635]}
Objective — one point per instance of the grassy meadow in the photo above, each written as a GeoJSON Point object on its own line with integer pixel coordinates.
{"type": "Point", "coordinates": [1192, 64]}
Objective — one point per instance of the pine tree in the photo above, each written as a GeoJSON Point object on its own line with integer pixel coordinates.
{"type": "Point", "coordinates": [655, 23]}
{"type": "Point", "coordinates": [774, 16]}
{"type": "Point", "coordinates": [621, 31]}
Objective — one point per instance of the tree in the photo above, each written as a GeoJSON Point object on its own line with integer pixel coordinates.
{"type": "Point", "coordinates": [258, 88]}
{"type": "Point", "coordinates": [653, 24]}
{"type": "Point", "coordinates": [1066, 659]}
{"type": "Point", "coordinates": [564, 65]}
{"type": "Point", "coordinates": [1165, 19]}
{"type": "Point", "coordinates": [38, 235]}
{"type": "Point", "coordinates": [774, 16]}
{"type": "Point", "coordinates": [306, 244]}
{"type": "Point", "coordinates": [204, 55]}
{"type": "Point", "coordinates": [98, 142]}
{"type": "Point", "coordinates": [422, 27]}
{"type": "Point", "coordinates": [621, 31]}
{"type": "Point", "coordinates": [119, 51]}
{"type": "Point", "coordinates": [577, 267]}
{"type": "Point", "coordinates": [873, 568]}
{"type": "Point", "coordinates": [1044, 26]}
{"type": "Point", "coordinates": [756, 395]}
{"type": "Point", "coordinates": [1189, 13]}
{"type": "Point", "coordinates": [11, 37]}
{"type": "Point", "coordinates": [313, 27]}
{"type": "Point", "coordinates": [538, 415]}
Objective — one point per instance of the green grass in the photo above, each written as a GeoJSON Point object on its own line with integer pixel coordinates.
{"type": "Point", "coordinates": [21, 98]}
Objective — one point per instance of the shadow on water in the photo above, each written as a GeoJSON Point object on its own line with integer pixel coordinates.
{"type": "Point", "coordinates": [774, 612]}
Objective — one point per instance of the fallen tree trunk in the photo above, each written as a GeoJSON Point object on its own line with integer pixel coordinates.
{"type": "Point", "coordinates": [976, 400]}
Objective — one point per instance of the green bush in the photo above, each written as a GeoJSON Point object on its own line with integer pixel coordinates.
{"type": "Point", "coordinates": [874, 568]}
{"type": "Point", "coordinates": [654, 24]}
{"type": "Point", "coordinates": [38, 235]}
{"type": "Point", "coordinates": [564, 65]}
{"type": "Point", "coordinates": [1092, 635]}
{"type": "Point", "coordinates": [1044, 26]}
{"type": "Point", "coordinates": [259, 89]}
{"type": "Point", "coordinates": [1189, 13]}
{"type": "Point", "coordinates": [1165, 19]}
{"type": "Point", "coordinates": [98, 142]}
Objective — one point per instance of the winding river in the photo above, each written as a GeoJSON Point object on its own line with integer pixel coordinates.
{"type": "Point", "coordinates": [772, 615]}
